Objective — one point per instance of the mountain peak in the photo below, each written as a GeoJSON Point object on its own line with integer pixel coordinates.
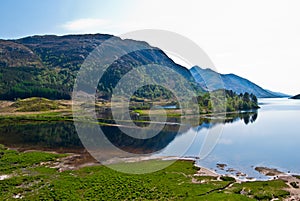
{"type": "Point", "coordinates": [208, 78]}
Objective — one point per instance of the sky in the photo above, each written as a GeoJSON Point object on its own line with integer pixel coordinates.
{"type": "Point", "coordinates": [257, 39]}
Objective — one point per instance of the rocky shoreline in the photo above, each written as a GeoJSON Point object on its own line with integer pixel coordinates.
{"type": "Point", "coordinates": [292, 181]}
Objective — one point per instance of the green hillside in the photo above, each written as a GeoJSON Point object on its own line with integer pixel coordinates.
{"type": "Point", "coordinates": [46, 66]}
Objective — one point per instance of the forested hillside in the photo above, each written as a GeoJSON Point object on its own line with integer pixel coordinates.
{"type": "Point", "coordinates": [46, 66]}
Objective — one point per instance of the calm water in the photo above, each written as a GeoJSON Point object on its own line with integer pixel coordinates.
{"type": "Point", "coordinates": [52, 136]}
{"type": "Point", "coordinates": [268, 138]}
{"type": "Point", "coordinates": [272, 140]}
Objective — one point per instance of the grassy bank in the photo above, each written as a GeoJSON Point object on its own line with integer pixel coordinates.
{"type": "Point", "coordinates": [33, 176]}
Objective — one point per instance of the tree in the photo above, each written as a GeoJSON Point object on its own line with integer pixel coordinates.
{"type": "Point", "coordinates": [246, 97]}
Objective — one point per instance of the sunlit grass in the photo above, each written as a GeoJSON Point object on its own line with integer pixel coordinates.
{"type": "Point", "coordinates": [33, 181]}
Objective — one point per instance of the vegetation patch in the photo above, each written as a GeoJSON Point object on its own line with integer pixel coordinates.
{"type": "Point", "coordinates": [294, 184]}
{"type": "Point", "coordinates": [226, 178]}
{"type": "Point", "coordinates": [37, 104]}
{"type": "Point", "coordinates": [33, 180]}
{"type": "Point", "coordinates": [262, 190]}
{"type": "Point", "coordinates": [11, 160]}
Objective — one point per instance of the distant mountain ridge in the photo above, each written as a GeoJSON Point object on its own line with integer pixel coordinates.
{"type": "Point", "coordinates": [295, 97]}
{"type": "Point", "coordinates": [230, 82]}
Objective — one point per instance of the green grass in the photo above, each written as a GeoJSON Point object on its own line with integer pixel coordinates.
{"type": "Point", "coordinates": [11, 160]}
{"type": "Point", "coordinates": [262, 190]}
{"type": "Point", "coordinates": [37, 182]}
{"type": "Point", "coordinates": [35, 104]}
{"type": "Point", "coordinates": [168, 112]}
{"type": "Point", "coordinates": [44, 116]}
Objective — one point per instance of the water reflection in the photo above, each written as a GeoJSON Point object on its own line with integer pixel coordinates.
{"type": "Point", "coordinates": [207, 126]}
{"type": "Point", "coordinates": [58, 136]}
{"type": "Point", "coordinates": [62, 136]}
{"type": "Point", "coordinates": [247, 117]}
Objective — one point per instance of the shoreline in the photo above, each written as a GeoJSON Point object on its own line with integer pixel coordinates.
{"type": "Point", "coordinates": [83, 157]}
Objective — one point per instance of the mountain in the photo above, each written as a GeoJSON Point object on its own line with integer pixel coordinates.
{"type": "Point", "coordinates": [46, 66]}
{"type": "Point", "coordinates": [279, 94]}
{"type": "Point", "coordinates": [295, 97]}
{"type": "Point", "coordinates": [14, 54]}
{"type": "Point", "coordinates": [230, 82]}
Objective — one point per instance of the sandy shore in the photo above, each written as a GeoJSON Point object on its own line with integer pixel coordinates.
{"type": "Point", "coordinates": [206, 172]}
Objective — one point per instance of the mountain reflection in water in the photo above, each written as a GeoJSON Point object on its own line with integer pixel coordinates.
{"type": "Point", "coordinates": [62, 136]}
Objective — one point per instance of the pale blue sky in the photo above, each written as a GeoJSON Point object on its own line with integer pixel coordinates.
{"type": "Point", "coordinates": [21, 18]}
{"type": "Point", "coordinates": [258, 40]}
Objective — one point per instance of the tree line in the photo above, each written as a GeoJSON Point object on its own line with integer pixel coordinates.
{"type": "Point", "coordinates": [226, 100]}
